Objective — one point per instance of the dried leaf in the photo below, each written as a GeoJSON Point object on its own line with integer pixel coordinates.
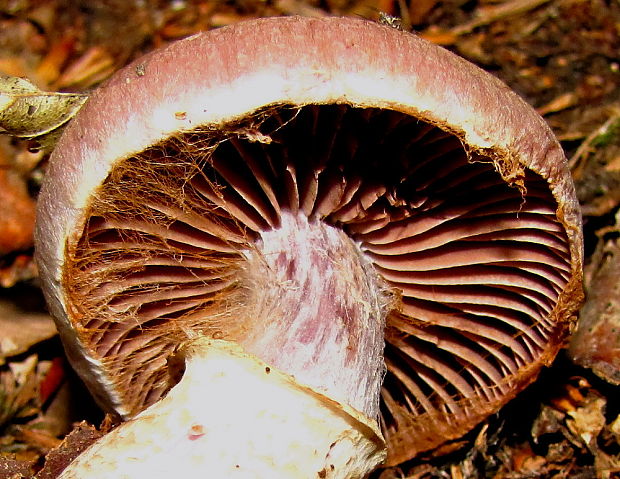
{"type": "Point", "coordinates": [549, 421]}
{"type": "Point", "coordinates": [614, 427]}
{"type": "Point", "coordinates": [419, 9]}
{"type": "Point", "coordinates": [37, 438]}
{"type": "Point", "coordinates": [94, 66]}
{"type": "Point", "coordinates": [606, 133]}
{"type": "Point", "coordinates": [559, 103]}
{"type": "Point", "coordinates": [18, 390]}
{"type": "Point", "coordinates": [21, 268]}
{"type": "Point", "coordinates": [489, 14]}
{"type": "Point", "coordinates": [596, 343]}
{"type": "Point", "coordinates": [21, 329]}
{"type": "Point", "coordinates": [586, 422]}
{"type": "Point", "coordinates": [27, 112]}
{"type": "Point", "coordinates": [17, 213]}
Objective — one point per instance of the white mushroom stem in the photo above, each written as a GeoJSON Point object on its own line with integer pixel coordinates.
{"type": "Point", "coordinates": [232, 415]}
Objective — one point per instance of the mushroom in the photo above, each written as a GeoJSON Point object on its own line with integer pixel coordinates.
{"type": "Point", "coordinates": [341, 238]}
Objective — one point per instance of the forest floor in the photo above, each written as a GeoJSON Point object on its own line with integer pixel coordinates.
{"type": "Point", "coordinates": [562, 56]}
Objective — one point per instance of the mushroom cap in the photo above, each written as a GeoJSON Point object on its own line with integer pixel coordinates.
{"type": "Point", "coordinates": [450, 184]}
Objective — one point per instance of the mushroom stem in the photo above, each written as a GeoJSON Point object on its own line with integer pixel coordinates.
{"type": "Point", "coordinates": [317, 309]}
{"type": "Point", "coordinates": [232, 415]}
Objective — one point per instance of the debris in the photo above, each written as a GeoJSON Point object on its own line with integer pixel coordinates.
{"type": "Point", "coordinates": [82, 436]}
{"type": "Point", "coordinates": [21, 329]}
{"type": "Point", "coordinates": [489, 14]}
{"type": "Point", "coordinates": [596, 343]}
{"type": "Point", "coordinates": [27, 112]}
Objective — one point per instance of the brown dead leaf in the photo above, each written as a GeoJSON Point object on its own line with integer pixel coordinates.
{"type": "Point", "coordinates": [549, 421]}
{"type": "Point", "coordinates": [525, 462]}
{"type": "Point", "coordinates": [21, 330]}
{"type": "Point", "coordinates": [559, 103]}
{"type": "Point", "coordinates": [439, 36]}
{"type": "Point", "coordinates": [16, 209]}
{"type": "Point", "coordinates": [38, 439]}
{"type": "Point", "coordinates": [50, 67]}
{"type": "Point", "coordinates": [59, 416]}
{"type": "Point", "coordinates": [489, 14]}
{"type": "Point", "coordinates": [614, 427]}
{"type": "Point", "coordinates": [596, 342]}
{"type": "Point", "coordinates": [21, 268]}
{"type": "Point", "coordinates": [419, 9]}
{"type": "Point", "coordinates": [595, 166]}
{"type": "Point", "coordinates": [16, 212]}
{"type": "Point", "coordinates": [94, 66]}
{"type": "Point", "coordinates": [586, 422]}
{"type": "Point", "coordinates": [27, 112]}
{"type": "Point", "coordinates": [19, 390]}
{"type": "Point", "coordinates": [601, 136]}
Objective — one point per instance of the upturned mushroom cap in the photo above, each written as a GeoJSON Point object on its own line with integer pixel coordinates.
{"type": "Point", "coordinates": [453, 190]}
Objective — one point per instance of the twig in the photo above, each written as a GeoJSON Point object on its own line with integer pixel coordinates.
{"type": "Point", "coordinates": [586, 146]}
{"type": "Point", "coordinates": [486, 15]}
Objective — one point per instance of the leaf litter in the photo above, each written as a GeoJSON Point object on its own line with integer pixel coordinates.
{"type": "Point", "coordinates": [560, 55]}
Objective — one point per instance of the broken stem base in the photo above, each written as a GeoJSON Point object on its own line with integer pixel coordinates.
{"type": "Point", "coordinates": [232, 415]}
